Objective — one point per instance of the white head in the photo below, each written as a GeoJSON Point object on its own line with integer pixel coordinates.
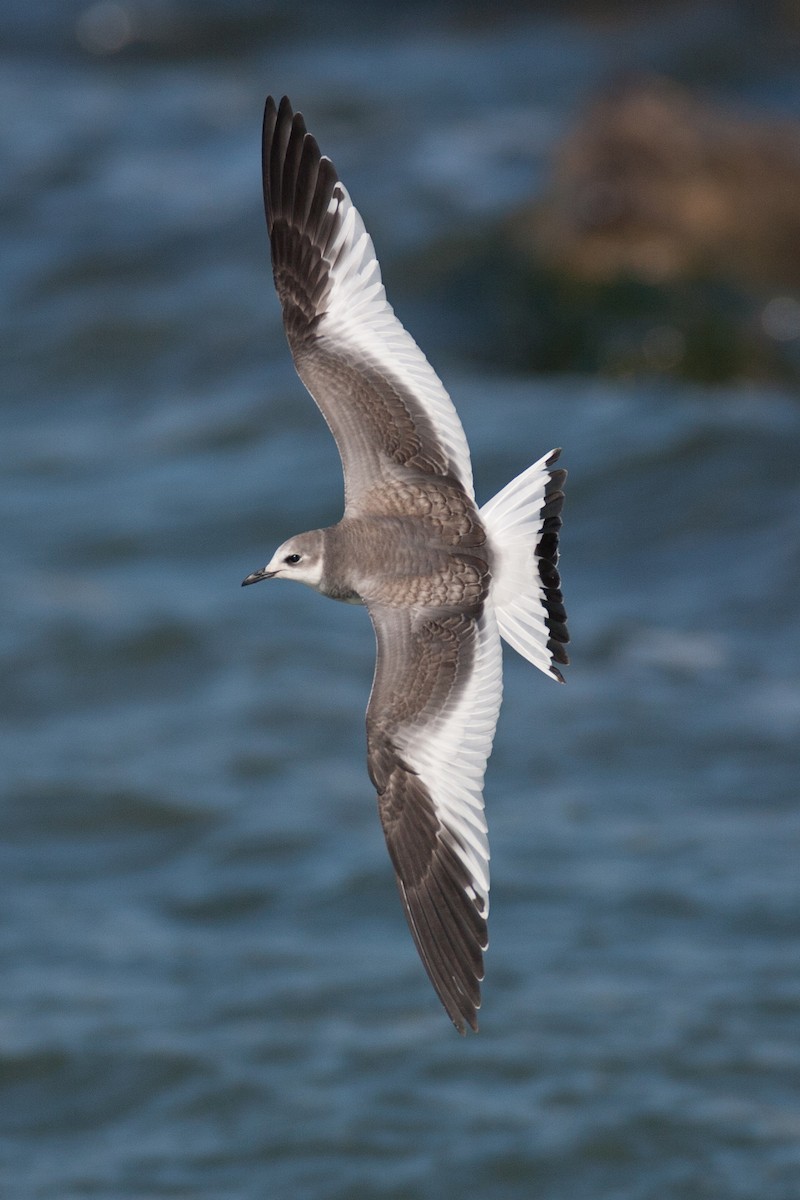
{"type": "Point", "coordinates": [300, 558]}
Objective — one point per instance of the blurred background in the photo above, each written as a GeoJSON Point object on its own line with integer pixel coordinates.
{"type": "Point", "coordinates": [591, 222]}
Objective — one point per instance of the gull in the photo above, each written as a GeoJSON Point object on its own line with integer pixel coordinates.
{"type": "Point", "coordinates": [441, 579]}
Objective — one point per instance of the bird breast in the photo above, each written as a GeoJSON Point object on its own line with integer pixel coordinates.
{"type": "Point", "coordinates": [402, 562]}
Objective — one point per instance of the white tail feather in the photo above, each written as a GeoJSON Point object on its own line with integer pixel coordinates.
{"type": "Point", "coordinates": [522, 522]}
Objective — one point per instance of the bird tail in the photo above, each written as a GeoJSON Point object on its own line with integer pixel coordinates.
{"type": "Point", "coordinates": [523, 521]}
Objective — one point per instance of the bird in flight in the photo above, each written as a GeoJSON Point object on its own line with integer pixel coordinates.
{"type": "Point", "coordinates": [441, 579]}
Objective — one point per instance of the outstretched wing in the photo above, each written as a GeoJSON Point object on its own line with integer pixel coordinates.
{"type": "Point", "coordinates": [386, 407]}
{"type": "Point", "coordinates": [430, 725]}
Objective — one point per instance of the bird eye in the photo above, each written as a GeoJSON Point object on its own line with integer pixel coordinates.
{"type": "Point", "coordinates": [291, 559]}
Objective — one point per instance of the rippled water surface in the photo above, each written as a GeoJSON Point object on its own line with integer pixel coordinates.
{"type": "Point", "coordinates": [208, 988]}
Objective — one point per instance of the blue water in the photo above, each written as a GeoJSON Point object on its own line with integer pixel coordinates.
{"type": "Point", "coordinates": [207, 985]}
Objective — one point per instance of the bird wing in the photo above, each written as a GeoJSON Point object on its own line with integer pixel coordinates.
{"type": "Point", "coordinates": [387, 409]}
{"type": "Point", "coordinates": [430, 724]}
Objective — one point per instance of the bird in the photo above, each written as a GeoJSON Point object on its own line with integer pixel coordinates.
{"type": "Point", "coordinates": [442, 580]}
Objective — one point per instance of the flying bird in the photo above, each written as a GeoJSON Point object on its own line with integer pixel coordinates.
{"type": "Point", "coordinates": [441, 579]}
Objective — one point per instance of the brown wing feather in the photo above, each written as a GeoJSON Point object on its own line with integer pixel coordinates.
{"type": "Point", "coordinates": [376, 420]}
{"type": "Point", "coordinates": [422, 663]}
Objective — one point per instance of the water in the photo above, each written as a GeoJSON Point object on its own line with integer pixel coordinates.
{"type": "Point", "coordinates": [208, 989]}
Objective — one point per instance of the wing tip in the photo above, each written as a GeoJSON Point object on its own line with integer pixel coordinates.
{"type": "Point", "coordinates": [460, 1024]}
{"type": "Point", "coordinates": [457, 988]}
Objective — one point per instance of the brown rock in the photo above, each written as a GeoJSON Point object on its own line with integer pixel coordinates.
{"type": "Point", "coordinates": [661, 185]}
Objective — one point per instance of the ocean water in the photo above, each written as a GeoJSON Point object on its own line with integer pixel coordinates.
{"type": "Point", "coordinates": [207, 988]}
